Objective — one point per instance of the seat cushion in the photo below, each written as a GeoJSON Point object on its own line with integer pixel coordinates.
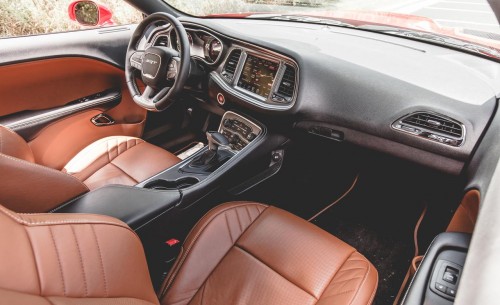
{"type": "Point", "coordinates": [250, 253]}
{"type": "Point", "coordinates": [118, 160]}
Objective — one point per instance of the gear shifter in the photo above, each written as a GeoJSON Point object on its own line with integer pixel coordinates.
{"type": "Point", "coordinates": [215, 139]}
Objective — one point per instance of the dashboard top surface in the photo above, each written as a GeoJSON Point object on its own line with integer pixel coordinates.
{"type": "Point", "coordinates": [364, 81]}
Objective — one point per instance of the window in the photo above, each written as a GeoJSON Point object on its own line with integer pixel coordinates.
{"type": "Point", "coordinates": [33, 17]}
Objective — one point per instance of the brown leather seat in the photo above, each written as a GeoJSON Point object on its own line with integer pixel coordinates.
{"type": "Point", "coordinates": [29, 187]}
{"type": "Point", "coordinates": [239, 253]}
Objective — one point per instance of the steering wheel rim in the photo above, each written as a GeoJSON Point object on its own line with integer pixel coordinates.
{"type": "Point", "coordinates": [157, 65]}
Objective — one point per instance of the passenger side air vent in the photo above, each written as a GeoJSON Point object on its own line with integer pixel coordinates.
{"type": "Point", "coordinates": [161, 41]}
{"type": "Point", "coordinates": [432, 126]}
{"type": "Point", "coordinates": [286, 88]}
{"type": "Point", "coordinates": [231, 64]}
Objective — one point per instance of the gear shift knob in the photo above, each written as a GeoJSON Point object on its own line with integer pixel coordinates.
{"type": "Point", "coordinates": [216, 139]}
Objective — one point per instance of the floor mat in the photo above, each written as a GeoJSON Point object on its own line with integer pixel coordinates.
{"type": "Point", "coordinates": [305, 184]}
{"type": "Point", "coordinates": [379, 224]}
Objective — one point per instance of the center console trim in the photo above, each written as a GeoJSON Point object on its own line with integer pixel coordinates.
{"type": "Point", "coordinates": [250, 97]}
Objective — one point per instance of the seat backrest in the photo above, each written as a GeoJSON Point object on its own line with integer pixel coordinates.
{"type": "Point", "coordinates": [27, 187]}
{"type": "Point", "coordinates": [71, 259]}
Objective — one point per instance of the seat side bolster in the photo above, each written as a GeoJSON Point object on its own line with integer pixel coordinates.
{"type": "Point", "coordinates": [12, 144]}
{"type": "Point", "coordinates": [207, 244]}
{"type": "Point", "coordinates": [28, 187]}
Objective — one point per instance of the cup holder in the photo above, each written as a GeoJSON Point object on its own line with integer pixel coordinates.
{"type": "Point", "coordinates": [164, 185]}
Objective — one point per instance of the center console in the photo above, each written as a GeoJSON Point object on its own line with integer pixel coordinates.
{"type": "Point", "coordinates": [181, 185]}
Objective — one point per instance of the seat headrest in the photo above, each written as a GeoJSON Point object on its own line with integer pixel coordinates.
{"type": "Point", "coordinates": [12, 144]}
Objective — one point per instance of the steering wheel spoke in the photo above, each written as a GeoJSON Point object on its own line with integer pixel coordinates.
{"type": "Point", "coordinates": [136, 60]}
{"type": "Point", "coordinates": [164, 70]}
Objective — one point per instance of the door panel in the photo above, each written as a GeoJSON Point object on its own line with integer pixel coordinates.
{"type": "Point", "coordinates": [49, 83]}
{"type": "Point", "coordinates": [53, 72]}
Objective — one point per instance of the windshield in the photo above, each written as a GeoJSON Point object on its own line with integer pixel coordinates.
{"type": "Point", "coordinates": [466, 20]}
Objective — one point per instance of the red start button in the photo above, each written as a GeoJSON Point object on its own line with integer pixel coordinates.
{"type": "Point", "coordinates": [221, 99]}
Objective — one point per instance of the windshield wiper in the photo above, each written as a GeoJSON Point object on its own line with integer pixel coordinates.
{"type": "Point", "coordinates": [302, 18]}
{"type": "Point", "coordinates": [436, 38]}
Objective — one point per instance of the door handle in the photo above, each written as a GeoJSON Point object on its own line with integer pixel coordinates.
{"type": "Point", "coordinates": [102, 119]}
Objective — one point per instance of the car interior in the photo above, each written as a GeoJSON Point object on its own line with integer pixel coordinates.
{"type": "Point", "coordinates": [189, 160]}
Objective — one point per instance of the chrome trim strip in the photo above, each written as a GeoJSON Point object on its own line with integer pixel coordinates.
{"type": "Point", "coordinates": [37, 119]}
{"type": "Point", "coordinates": [222, 83]}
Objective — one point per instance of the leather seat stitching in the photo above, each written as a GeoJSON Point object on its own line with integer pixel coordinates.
{"type": "Point", "coordinates": [183, 258]}
{"type": "Point", "coordinates": [228, 229]}
{"type": "Point", "coordinates": [343, 292]}
{"type": "Point", "coordinates": [58, 260]}
{"type": "Point", "coordinates": [335, 274]}
{"type": "Point", "coordinates": [123, 171]}
{"type": "Point", "coordinates": [350, 269]}
{"type": "Point", "coordinates": [374, 291]}
{"type": "Point", "coordinates": [49, 301]}
{"type": "Point", "coordinates": [239, 221]}
{"type": "Point", "coordinates": [349, 279]}
{"type": "Point", "coordinates": [81, 261]}
{"type": "Point", "coordinates": [195, 238]}
{"type": "Point", "coordinates": [102, 262]}
{"type": "Point", "coordinates": [275, 271]}
{"type": "Point", "coordinates": [75, 221]}
{"type": "Point", "coordinates": [44, 168]}
{"type": "Point", "coordinates": [248, 213]}
{"type": "Point", "coordinates": [34, 259]}
{"type": "Point", "coordinates": [362, 282]}
{"type": "Point", "coordinates": [108, 153]}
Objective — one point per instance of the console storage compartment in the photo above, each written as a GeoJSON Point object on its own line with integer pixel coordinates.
{"type": "Point", "coordinates": [134, 206]}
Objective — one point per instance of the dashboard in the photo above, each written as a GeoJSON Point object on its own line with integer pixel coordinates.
{"type": "Point", "coordinates": [414, 100]}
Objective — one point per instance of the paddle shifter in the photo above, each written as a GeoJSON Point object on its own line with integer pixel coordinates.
{"type": "Point", "coordinates": [210, 157]}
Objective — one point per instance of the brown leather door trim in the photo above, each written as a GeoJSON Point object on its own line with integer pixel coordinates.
{"type": "Point", "coordinates": [29, 127]}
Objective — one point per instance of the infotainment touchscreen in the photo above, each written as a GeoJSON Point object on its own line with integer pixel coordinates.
{"type": "Point", "coordinates": [258, 75]}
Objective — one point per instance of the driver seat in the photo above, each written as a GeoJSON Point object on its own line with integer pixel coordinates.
{"type": "Point", "coordinates": [29, 187]}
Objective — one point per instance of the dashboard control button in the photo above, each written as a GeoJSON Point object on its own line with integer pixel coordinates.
{"type": "Point", "coordinates": [441, 287]}
{"type": "Point", "coordinates": [451, 292]}
{"type": "Point", "coordinates": [227, 123]}
{"type": "Point", "coordinates": [221, 99]}
{"type": "Point", "coordinates": [251, 136]}
{"type": "Point", "coordinates": [450, 277]}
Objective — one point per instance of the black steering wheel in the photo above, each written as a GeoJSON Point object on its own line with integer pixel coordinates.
{"type": "Point", "coordinates": [164, 70]}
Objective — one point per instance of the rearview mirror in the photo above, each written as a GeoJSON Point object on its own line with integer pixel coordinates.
{"type": "Point", "coordinates": [89, 13]}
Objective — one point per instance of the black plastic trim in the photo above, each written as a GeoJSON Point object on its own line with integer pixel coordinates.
{"type": "Point", "coordinates": [420, 284]}
{"type": "Point", "coordinates": [134, 206]}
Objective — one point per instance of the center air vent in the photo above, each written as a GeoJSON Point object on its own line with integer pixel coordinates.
{"type": "Point", "coordinates": [231, 64]}
{"type": "Point", "coordinates": [432, 126]}
{"type": "Point", "coordinates": [161, 41]}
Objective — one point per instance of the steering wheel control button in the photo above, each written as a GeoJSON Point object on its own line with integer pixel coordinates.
{"type": "Point", "coordinates": [221, 99]}
{"type": "Point", "coordinates": [441, 287]}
